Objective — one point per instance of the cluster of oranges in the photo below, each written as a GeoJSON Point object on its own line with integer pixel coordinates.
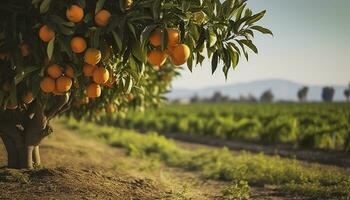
{"type": "Point", "coordinates": [57, 81]}
{"type": "Point", "coordinates": [75, 14]}
{"type": "Point", "coordinates": [179, 53]}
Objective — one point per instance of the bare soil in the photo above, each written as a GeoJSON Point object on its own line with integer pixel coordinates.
{"type": "Point", "coordinates": [80, 168]}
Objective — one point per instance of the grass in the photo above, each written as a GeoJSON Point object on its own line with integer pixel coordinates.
{"type": "Point", "coordinates": [288, 175]}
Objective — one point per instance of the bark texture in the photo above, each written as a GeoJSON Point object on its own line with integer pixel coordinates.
{"type": "Point", "coordinates": [23, 129]}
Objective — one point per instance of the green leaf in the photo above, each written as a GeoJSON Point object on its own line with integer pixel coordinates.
{"type": "Point", "coordinates": [212, 38]}
{"type": "Point", "coordinates": [45, 5]}
{"type": "Point", "coordinates": [26, 72]}
{"type": "Point", "coordinates": [128, 84]}
{"type": "Point", "coordinates": [250, 44]}
{"type": "Point", "coordinates": [214, 62]}
{"type": "Point", "coordinates": [156, 9]}
{"type": "Point", "coordinates": [164, 39]}
{"type": "Point", "coordinates": [50, 48]}
{"type": "Point", "coordinates": [256, 17]}
{"type": "Point", "coordinates": [146, 33]}
{"type": "Point", "coordinates": [99, 5]}
{"type": "Point", "coordinates": [262, 30]}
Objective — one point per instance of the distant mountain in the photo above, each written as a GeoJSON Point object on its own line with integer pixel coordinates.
{"type": "Point", "coordinates": [282, 90]}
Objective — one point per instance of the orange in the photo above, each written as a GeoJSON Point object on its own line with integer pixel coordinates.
{"type": "Point", "coordinates": [100, 75]}
{"type": "Point", "coordinates": [102, 17]}
{"type": "Point", "coordinates": [63, 84]}
{"type": "Point", "coordinates": [110, 108]}
{"type": "Point", "coordinates": [156, 38]}
{"type": "Point", "coordinates": [69, 72]}
{"type": "Point", "coordinates": [180, 54]}
{"type": "Point", "coordinates": [24, 50]}
{"type": "Point", "coordinates": [78, 44]}
{"type": "Point", "coordinates": [28, 98]}
{"type": "Point", "coordinates": [88, 70]}
{"type": "Point", "coordinates": [173, 37]}
{"type": "Point", "coordinates": [130, 97]}
{"type": "Point", "coordinates": [47, 85]}
{"type": "Point", "coordinates": [93, 90]}
{"type": "Point", "coordinates": [92, 56]}
{"type": "Point", "coordinates": [46, 34]}
{"type": "Point", "coordinates": [54, 71]}
{"type": "Point", "coordinates": [157, 57]}
{"type": "Point", "coordinates": [75, 13]}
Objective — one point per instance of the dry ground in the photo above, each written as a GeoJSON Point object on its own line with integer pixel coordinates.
{"type": "Point", "coordinates": [80, 168]}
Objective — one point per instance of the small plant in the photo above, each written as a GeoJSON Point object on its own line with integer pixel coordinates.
{"type": "Point", "coordinates": [236, 191]}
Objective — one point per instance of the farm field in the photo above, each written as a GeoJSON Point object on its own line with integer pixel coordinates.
{"type": "Point", "coordinates": [307, 126]}
{"type": "Point", "coordinates": [243, 175]}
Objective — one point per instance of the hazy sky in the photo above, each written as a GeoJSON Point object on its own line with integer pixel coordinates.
{"type": "Point", "coordinates": [311, 45]}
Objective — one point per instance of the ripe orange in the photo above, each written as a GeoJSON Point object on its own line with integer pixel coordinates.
{"type": "Point", "coordinates": [75, 13]}
{"type": "Point", "coordinates": [180, 54]}
{"type": "Point", "coordinates": [24, 50]}
{"type": "Point", "coordinates": [130, 97]}
{"type": "Point", "coordinates": [78, 44]}
{"type": "Point", "coordinates": [46, 34]}
{"type": "Point", "coordinates": [102, 17]}
{"type": "Point", "coordinates": [173, 37]}
{"type": "Point", "coordinates": [110, 108]}
{"type": "Point", "coordinates": [28, 98]}
{"type": "Point", "coordinates": [157, 57]}
{"type": "Point", "coordinates": [47, 85]}
{"type": "Point", "coordinates": [156, 38]}
{"type": "Point", "coordinates": [69, 72]}
{"type": "Point", "coordinates": [54, 71]}
{"type": "Point", "coordinates": [101, 75]}
{"type": "Point", "coordinates": [88, 70]}
{"type": "Point", "coordinates": [63, 84]}
{"type": "Point", "coordinates": [93, 90]}
{"type": "Point", "coordinates": [92, 56]}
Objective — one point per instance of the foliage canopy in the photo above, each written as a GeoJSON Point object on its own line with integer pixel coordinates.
{"type": "Point", "coordinates": [37, 34]}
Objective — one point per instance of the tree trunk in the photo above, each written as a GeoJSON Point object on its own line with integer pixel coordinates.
{"type": "Point", "coordinates": [22, 131]}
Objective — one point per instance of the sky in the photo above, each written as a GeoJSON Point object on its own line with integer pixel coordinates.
{"type": "Point", "coordinates": [311, 45]}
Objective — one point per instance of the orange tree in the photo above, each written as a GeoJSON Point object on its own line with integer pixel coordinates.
{"type": "Point", "coordinates": [84, 57]}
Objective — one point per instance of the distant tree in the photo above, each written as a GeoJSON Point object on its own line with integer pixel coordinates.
{"type": "Point", "coordinates": [267, 96]}
{"type": "Point", "coordinates": [195, 99]}
{"type": "Point", "coordinates": [302, 94]}
{"type": "Point", "coordinates": [347, 93]}
{"type": "Point", "coordinates": [328, 94]}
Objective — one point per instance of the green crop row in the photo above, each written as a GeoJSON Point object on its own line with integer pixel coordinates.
{"type": "Point", "coordinates": [313, 125]}
{"type": "Point", "coordinates": [286, 175]}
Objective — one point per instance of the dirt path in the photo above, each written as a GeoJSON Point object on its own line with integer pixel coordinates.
{"type": "Point", "coordinates": [77, 168]}
{"type": "Point", "coordinates": [80, 168]}
{"type": "Point", "coordinates": [335, 158]}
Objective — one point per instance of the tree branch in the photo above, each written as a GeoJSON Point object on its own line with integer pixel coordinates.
{"type": "Point", "coordinates": [57, 107]}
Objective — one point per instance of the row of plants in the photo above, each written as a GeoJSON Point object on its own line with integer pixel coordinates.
{"type": "Point", "coordinates": [318, 125]}
{"type": "Point", "coordinates": [286, 175]}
